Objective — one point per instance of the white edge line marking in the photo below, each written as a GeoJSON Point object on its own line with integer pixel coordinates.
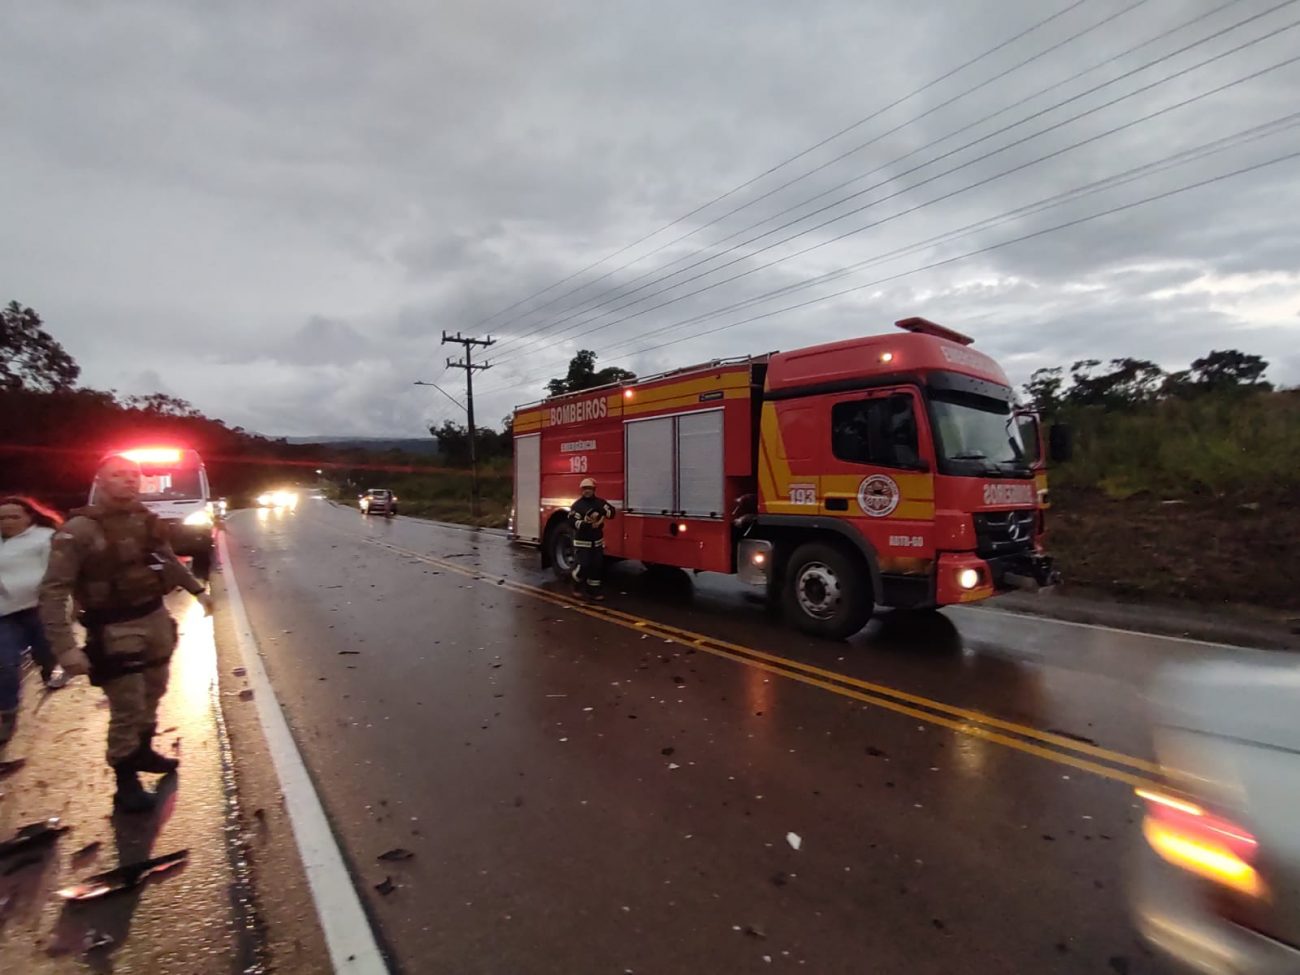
{"type": "Point", "coordinates": [1143, 634]}
{"type": "Point", "coordinates": [348, 935]}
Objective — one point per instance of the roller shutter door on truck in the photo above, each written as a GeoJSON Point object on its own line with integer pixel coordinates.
{"type": "Point", "coordinates": [699, 464]}
{"type": "Point", "coordinates": [528, 488]}
{"type": "Point", "coordinates": [674, 465]}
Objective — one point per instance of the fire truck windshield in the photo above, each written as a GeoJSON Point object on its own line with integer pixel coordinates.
{"type": "Point", "coordinates": [977, 435]}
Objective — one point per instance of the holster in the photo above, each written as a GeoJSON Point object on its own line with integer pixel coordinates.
{"type": "Point", "coordinates": [105, 667]}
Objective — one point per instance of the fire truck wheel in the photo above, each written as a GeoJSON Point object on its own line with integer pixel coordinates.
{"type": "Point", "coordinates": [560, 543]}
{"type": "Point", "coordinates": [826, 592]}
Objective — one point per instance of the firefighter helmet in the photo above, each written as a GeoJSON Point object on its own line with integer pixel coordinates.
{"type": "Point", "coordinates": [588, 482]}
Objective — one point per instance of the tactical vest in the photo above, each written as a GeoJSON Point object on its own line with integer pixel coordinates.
{"type": "Point", "coordinates": [123, 572]}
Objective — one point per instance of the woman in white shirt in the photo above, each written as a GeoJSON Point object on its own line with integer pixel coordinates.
{"type": "Point", "coordinates": [26, 529]}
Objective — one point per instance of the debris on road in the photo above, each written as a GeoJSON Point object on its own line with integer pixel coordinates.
{"type": "Point", "coordinates": [386, 886]}
{"type": "Point", "coordinates": [123, 878]}
{"type": "Point", "coordinates": [33, 836]}
{"type": "Point", "coordinates": [86, 852]}
{"type": "Point", "coordinates": [794, 839]}
{"type": "Point", "coordinates": [672, 766]}
{"type": "Point", "coordinates": [240, 671]}
{"type": "Point", "coordinates": [349, 653]}
{"type": "Point", "coordinates": [246, 694]}
{"type": "Point", "coordinates": [396, 854]}
{"type": "Point", "coordinates": [667, 751]}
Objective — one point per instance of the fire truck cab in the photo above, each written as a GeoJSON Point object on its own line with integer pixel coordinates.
{"type": "Point", "coordinates": [890, 470]}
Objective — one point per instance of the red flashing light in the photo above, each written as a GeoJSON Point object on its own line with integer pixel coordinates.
{"type": "Point", "coordinates": [923, 326]}
{"type": "Point", "coordinates": [628, 394]}
{"type": "Point", "coordinates": [153, 455]}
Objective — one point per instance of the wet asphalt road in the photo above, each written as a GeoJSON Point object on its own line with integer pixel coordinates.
{"type": "Point", "coordinates": [623, 794]}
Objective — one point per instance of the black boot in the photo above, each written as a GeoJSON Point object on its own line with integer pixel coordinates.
{"type": "Point", "coordinates": [146, 759]}
{"type": "Point", "coordinates": [131, 796]}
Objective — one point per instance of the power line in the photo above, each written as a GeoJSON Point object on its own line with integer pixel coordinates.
{"type": "Point", "coordinates": [543, 326]}
{"type": "Point", "coordinates": [619, 291]}
{"type": "Point", "coordinates": [1069, 196]}
{"type": "Point", "coordinates": [892, 178]}
{"type": "Point", "coordinates": [1169, 162]}
{"type": "Point", "coordinates": [984, 250]}
{"type": "Point", "coordinates": [797, 156]}
{"type": "Point", "coordinates": [930, 179]}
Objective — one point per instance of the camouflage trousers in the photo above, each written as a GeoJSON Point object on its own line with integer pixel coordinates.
{"type": "Point", "coordinates": [137, 663]}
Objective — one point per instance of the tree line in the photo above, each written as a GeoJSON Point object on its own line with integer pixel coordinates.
{"type": "Point", "coordinates": [53, 431]}
{"type": "Point", "coordinates": [1126, 384]}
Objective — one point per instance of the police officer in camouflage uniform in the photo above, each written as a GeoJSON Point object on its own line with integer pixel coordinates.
{"type": "Point", "coordinates": [589, 514]}
{"type": "Point", "coordinates": [113, 558]}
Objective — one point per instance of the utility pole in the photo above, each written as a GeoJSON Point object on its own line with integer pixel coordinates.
{"type": "Point", "coordinates": [470, 367]}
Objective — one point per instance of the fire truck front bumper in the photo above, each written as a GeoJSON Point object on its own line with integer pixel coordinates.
{"type": "Point", "coordinates": [966, 578]}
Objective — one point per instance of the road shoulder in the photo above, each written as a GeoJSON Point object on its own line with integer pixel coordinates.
{"type": "Point", "coordinates": [1181, 622]}
{"type": "Point", "coordinates": [295, 942]}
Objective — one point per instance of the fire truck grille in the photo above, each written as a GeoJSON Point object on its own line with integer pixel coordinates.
{"type": "Point", "coordinates": [1003, 533]}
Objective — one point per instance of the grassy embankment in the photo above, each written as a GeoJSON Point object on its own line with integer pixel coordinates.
{"type": "Point", "coordinates": [1190, 500]}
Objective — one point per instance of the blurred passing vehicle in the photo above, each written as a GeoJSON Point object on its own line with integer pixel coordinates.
{"type": "Point", "coordinates": [379, 502]}
{"type": "Point", "coordinates": [1217, 881]}
{"type": "Point", "coordinates": [279, 499]}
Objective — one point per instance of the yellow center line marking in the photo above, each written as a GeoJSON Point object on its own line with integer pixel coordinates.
{"type": "Point", "coordinates": [961, 720]}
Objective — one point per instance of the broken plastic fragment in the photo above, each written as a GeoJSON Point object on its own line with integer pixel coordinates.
{"type": "Point", "coordinates": [33, 836]}
{"type": "Point", "coordinates": [240, 671]}
{"type": "Point", "coordinates": [123, 878]}
{"type": "Point", "coordinates": [794, 839]}
{"type": "Point", "coordinates": [672, 766]}
{"type": "Point", "coordinates": [386, 886]}
{"type": "Point", "coordinates": [396, 854]}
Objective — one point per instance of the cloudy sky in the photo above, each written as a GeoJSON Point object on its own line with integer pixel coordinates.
{"type": "Point", "coordinates": [273, 210]}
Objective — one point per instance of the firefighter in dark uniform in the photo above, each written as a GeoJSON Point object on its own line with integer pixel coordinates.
{"type": "Point", "coordinates": [589, 514]}
{"type": "Point", "coordinates": [114, 561]}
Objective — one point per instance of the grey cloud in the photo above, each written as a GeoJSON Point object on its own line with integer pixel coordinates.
{"type": "Point", "coordinates": [275, 210]}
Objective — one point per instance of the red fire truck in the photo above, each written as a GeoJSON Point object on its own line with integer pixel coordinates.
{"type": "Point", "coordinates": [890, 470]}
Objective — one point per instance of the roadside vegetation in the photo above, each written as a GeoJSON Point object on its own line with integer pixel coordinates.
{"type": "Point", "coordinates": [1183, 486]}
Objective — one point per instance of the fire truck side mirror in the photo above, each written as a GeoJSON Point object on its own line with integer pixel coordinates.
{"type": "Point", "coordinates": [1060, 443]}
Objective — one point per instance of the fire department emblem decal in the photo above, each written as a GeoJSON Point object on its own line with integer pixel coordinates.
{"type": "Point", "coordinates": [878, 496]}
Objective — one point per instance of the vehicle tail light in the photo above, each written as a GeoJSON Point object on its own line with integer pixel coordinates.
{"type": "Point", "coordinates": [1202, 843]}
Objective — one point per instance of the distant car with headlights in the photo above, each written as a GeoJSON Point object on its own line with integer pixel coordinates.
{"type": "Point", "coordinates": [1217, 880]}
{"type": "Point", "coordinates": [174, 485]}
{"type": "Point", "coordinates": [278, 499]}
{"type": "Point", "coordinates": [379, 501]}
